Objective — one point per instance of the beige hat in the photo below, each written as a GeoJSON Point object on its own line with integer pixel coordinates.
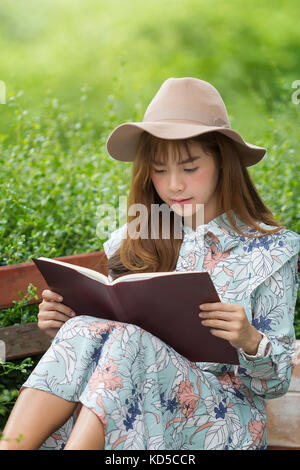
{"type": "Point", "coordinates": [182, 108]}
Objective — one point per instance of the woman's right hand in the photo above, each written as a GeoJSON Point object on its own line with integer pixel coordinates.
{"type": "Point", "coordinates": [52, 313]}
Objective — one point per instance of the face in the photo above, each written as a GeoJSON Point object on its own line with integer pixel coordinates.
{"type": "Point", "coordinates": [194, 181]}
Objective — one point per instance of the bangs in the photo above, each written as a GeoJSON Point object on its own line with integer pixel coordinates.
{"type": "Point", "coordinates": [160, 149]}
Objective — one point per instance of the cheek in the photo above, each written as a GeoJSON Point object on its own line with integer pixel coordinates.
{"type": "Point", "coordinates": [157, 184]}
{"type": "Point", "coordinates": [206, 175]}
{"type": "Point", "coordinates": [157, 180]}
{"type": "Point", "coordinates": [154, 180]}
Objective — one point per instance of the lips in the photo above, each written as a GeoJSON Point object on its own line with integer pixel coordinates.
{"type": "Point", "coordinates": [181, 200]}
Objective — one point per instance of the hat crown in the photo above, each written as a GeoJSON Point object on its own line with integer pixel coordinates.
{"type": "Point", "coordinates": [188, 99]}
{"type": "Point", "coordinates": [181, 109]}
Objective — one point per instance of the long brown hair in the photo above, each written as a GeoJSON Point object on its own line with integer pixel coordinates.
{"type": "Point", "coordinates": [235, 191]}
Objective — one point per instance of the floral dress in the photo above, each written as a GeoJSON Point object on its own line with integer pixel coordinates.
{"type": "Point", "coordinates": [146, 394]}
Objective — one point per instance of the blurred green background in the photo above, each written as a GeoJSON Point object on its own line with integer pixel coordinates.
{"type": "Point", "coordinates": [75, 69]}
{"type": "Point", "coordinates": [248, 50]}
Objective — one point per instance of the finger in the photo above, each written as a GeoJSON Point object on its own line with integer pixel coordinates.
{"type": "Point", "coordinates": [222, 334]}
{"type": "Point", "coordinates": [52, 315]}
{"type": "Point", "coordinates": [66, 310]}
{"type": "Point", "coordinates": [223, 325]}
{"type": "Point", "coordinates": [217, 314]}
{"type": "Point", "coordinates": [50, 324]}
{"type": "Point", "coordinates": [45, 315]}
{"type": "Point", "coordinates": [51, 296]}
{"type": "Point", "coordinates": [59, 307]}
{"type": "Point", "coordinates": [218, 306]}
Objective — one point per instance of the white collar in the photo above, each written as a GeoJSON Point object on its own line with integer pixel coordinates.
{"type": "Point", "coordinates": [220, 227]}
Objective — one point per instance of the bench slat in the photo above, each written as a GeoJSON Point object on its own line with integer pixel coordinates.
{"type": "Point", "coordinates": [24, 340]}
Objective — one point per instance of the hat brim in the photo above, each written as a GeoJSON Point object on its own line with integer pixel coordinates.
{"type": "Point", "coordinates": [123, 141]}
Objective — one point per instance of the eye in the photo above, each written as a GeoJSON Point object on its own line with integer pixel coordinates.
{"type": "Point", "coordinates": [189, 170]}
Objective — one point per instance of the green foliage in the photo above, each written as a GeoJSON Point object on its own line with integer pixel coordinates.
{"type": "Point", "coordinates": [21, 312]}
{"type": "Point", "coordinates": [13, 375]}
{"type": "Point", "coordinates": [17, 439]}
{"type": "Point", "coordinates": [54, 175]}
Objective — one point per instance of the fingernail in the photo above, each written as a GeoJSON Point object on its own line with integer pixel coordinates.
{"type": "Point", "coordinates": [60, 298]}
{"type": "Point", "coordinates": [73, 314]}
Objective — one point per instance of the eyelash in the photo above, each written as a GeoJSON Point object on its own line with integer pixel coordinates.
{"type": "Point", "coordinates": [190, 170]}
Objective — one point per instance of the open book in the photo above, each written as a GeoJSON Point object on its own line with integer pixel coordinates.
{"type": "Point", "coordinates": [166, 304]}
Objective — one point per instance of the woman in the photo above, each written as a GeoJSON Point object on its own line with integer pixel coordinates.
{"type": "Point", "coordinates": [136, 392]}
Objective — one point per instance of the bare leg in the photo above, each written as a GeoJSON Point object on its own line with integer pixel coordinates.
{"type": "Point", "coordinates": [35, 416]}
{"type": "Point", "coordinates": [88, 432]}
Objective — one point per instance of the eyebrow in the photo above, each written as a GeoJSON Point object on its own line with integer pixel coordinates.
{"type": "Point", "coordinates": [180, 163]}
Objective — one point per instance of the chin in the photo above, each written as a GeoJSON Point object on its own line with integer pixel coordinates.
{"type": "Point", "coordinates": [184, 211]}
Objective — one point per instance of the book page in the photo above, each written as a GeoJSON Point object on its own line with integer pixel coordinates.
{"type": "Point", "coordinates": [143, 276]}
{"type": "Point", "coordinates": [88, 272]}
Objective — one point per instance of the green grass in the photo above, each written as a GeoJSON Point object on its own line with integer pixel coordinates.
{"type": "Point", "coordinates": [55, 174]}
{"type": "Point", "coordinates": [12, 376]}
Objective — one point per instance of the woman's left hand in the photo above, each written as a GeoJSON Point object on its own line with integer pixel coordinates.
{"type": "Point", "coordinates": [230, 322]}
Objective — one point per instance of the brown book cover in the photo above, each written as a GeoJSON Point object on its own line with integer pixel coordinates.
{"type": "Point", "coordinates": [164, 304]}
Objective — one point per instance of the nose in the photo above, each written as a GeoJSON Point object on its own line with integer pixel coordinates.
{"type": "Point", "coordinates": [175, 182]}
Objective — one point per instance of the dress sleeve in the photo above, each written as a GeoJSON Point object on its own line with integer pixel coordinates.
{"type": "Point", "coordinates": [115, 240]}
{"type": "Point", "coordinates": [273, 307]}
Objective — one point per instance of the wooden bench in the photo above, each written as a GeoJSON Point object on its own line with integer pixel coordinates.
{"type": "Point", "coordinates": [26, 340]}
